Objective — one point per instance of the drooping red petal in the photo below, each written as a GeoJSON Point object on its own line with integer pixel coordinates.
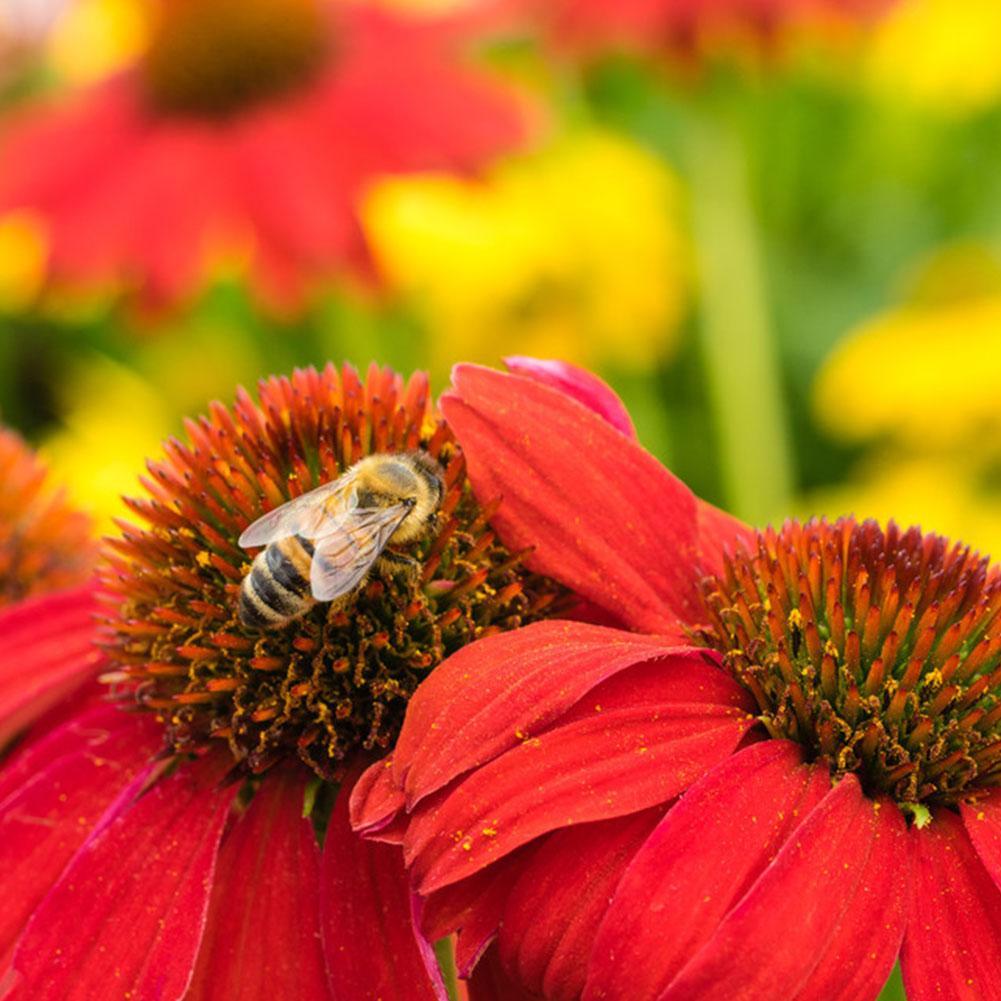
{"type": "Point", "coordinates": [58, 801]}
{"type": "Point", "coordinates": [46, 650]}
{"type": "Point", "coordinates": [372, 949]}
{"type": "Point", "coordinates": [127, 914]}
{"type": "Point", "coordinates": [607, 764]}
{"type": "Point", "coordinates": [983, 824]}
{"type": "Point", "coordinates": [823, 921]}
{"type": "Point", "coordinates": [515, 684]}
{"type": "Point", "coordinates": [562, 893]}
{"type": "Point", "coordinates": [604, 516]}
{"type": "Point", "coordinates": [375, 799]}
{"type": "Point", "coordinates": [698, 864]}
{"type": "Point", "coordinates": [262, 936]}
{"type": "Point", "coordinates": [952, 948]}
{"type": "Point", "coordinates": [580, 385]}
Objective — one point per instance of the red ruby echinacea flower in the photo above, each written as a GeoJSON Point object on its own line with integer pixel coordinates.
{"type": "Point", "coordinates": [181, 830]}
{"type": "Point", "coordinates": [248, 126]}
{"type": "Point", "coordinates": [778, 776]}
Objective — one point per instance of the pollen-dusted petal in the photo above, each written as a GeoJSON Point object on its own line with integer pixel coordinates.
{"type": "Point", "coordinates": [982, 820]}
{"type": "Point", "coordinates": [371, 946]}
{"type": "Point", "coordinates": [509, 687]}
{"type": "Point", "coordinates": [606, 764]}
{"type": "Point", "coordinates": [579, 384]}
{"type": "Point", "coordinates": [604, 516]}
{"type": "Point", "coordinates": [74, 775]}
{"type": "Point", "coordinates": [48, 649]}
{"type": "Point", "coordinates": [562, 894]}
{"type": "Point", "coordinates": [128, 911]}
{"type": "Point", "coordinates": [809, 916]}
{"type": "Point", "coordinates": [952, 948]}
{"type": "Point", "coordinates": [262, 936]}
{"type": "Point", "coordinates": [703, 857]}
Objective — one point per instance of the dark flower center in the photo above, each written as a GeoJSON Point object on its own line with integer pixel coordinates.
{"type": "Point", "coordinates": [215, 57]}
{"type": "Point", "coordinates": [334, 682]}
{"type": "Point", "coordinates": [878, 651]}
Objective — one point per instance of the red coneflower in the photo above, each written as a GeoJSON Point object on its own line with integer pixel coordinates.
{"type": "Point", "coordinates": [172, 851]}
{"type": "Point", "coordinates": [249, 125]}
{"type": "Point", "coordinates": [831, 724]}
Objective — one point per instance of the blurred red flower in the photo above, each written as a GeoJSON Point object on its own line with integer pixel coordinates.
{"type": "Point", "coordinates": [823, 700]}
{"type": "Point", "coordinates": [248, 127]}
{"type": "Point", "coordinates": [166, 851]}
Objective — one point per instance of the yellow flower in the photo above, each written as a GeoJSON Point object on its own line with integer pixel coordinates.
{"type": "Point", "coordinates": [926, 374]}
{"type": "Point", "coordinates": [96, 37]}
{"type": "Point", "coordinates": [940, 53]}
{"type": "Point", "coordinates": [572, 252]}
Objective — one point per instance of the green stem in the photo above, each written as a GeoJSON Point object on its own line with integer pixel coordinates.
{"type": "Point", "coordinates": [446, 963]}
{"type": "Point", "coordinates": [739, 351]}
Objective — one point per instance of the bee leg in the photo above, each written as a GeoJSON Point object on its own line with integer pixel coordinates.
{"type": "Point", "coordinates": [391, 564]}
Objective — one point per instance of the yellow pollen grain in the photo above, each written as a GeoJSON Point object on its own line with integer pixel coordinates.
{"type": "Point", "coordinates": [795, 619]}
{"type": "Point", "coordinates": [203, 558]}
{"type": "Point", "coordinates": [490, 832]}
{"type": "Point", "coordinates": [467, 845]}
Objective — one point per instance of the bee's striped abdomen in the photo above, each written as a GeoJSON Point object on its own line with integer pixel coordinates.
{"type": "Point", "coordinates": [277, 588]}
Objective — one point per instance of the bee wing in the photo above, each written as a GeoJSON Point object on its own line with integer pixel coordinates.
{"type": "Point", "coordinates": [306, 516]}
{"type": "Point", "coordinates": [351, 543]}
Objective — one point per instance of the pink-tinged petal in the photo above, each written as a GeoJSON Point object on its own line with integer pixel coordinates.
{"type": "Point", "coordinates": [127, 914]}
{"type": "Point", "coordinates": [561, 896]}
{"type": "Point", "coordinates": [515, 684]}
{"type": "Point", "coordinates": [698, 864]}
{"type": "Point", "coordinates": [952, 950]}
{"type": "Point", "coordinates": [824, 921]}
{"type": "Point", "coordinates": [983, 824]}
{"type": "Point", "coordinates": [720, 534]}
{"type": "Point", "coordinates": [580, 385]}
{"type": "Point", "coordinates": [372, 949]}
{"type": "Point", "coordinates": [46, 819]}
{"type": "Point", "coordinates": [610, 763]}
{"type": "Point", "coordinates": [47, 651]}
{"type": "Point", "coordinates": [490, 982]}
{"type": "Point", "coordinates": [603, 515]}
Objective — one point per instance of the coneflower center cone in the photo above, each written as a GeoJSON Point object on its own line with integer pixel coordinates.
{"type": "Point", "coordinates": [215, 57]}
{"type": "Point", "coordinates": [334, 683]}
{"type": "Point", "coordinates": [878, 651]}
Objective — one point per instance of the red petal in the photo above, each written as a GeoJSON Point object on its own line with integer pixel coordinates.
{"type": "Point", "coordinates": [487, 697]}
{"type": "Point", "coordinates": [375, 799]}
{"type": "Point", "coordinates": [983, 825]}
{"type": "Point", "coordinates": [823, 921]}
{"type": "Point", "coordinates": [127, 914]}
{"type": "Point", "coordinates": [604, 516]}
{"type": "Point", "coordinates": [698, 864]}
{"type": "Point", "coordinates": [953, 943]}
{"type": "Point", "coordinates": [580, 385]}
{"type": "Point", "coordinates": [372, 949]}
{"type": "Point", "coordinates": [490, 983]}
{"type": "Point", "coordinates": [560, 897]}
{"type": "Point", "coordinates": [608, 764]}
{"type": "Point", "coordinates": [262, 937]}
{"type": "Point", "coordinates": [46, 650]}
{"type": "Point", "coordinates": [46, 819]}
{"type": "Point", "coordinates": [720, 533]}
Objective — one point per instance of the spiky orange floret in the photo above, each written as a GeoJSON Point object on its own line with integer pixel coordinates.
{"type": "Point", "coordinates": [880, 651]}
{"type": "Point", "coordinates": [336, 681]}
{"type": "Point", "coordinates": [45, 545]}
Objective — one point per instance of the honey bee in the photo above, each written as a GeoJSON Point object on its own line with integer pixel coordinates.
{"type": "Point", "coordinates": [323, 545]}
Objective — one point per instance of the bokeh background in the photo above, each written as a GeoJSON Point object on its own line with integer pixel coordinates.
{"type": "Point", "coordinates": [773, 225]}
